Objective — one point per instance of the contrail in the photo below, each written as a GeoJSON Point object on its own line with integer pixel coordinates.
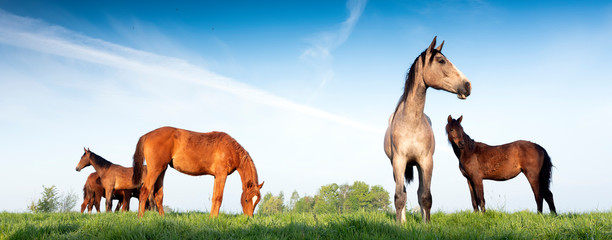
{"type": "Point", "coordinates": [42, 37]}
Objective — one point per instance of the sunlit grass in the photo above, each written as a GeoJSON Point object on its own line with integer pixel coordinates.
{"type": "Point", "coordinates": [362, 225]}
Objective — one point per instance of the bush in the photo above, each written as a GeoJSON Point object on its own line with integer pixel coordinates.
{"type": "Point", "coordinates": [51, 201]}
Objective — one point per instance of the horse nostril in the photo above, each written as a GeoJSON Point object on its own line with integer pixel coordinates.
{"type": "Point", "coordinates": [468, 87]}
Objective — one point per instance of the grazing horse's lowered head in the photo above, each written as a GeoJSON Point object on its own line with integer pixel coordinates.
{"type": "Point", "coordinates": [250, 198]}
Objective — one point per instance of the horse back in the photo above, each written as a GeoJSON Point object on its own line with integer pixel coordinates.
{"type": "Point", "coordinates": [194, 153]}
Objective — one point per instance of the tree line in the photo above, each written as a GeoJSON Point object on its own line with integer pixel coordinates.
{"type": "Point", "coordinates": [331, 198]}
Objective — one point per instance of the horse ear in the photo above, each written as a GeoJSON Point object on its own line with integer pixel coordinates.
{"type": "Point", "coordinates": [261, 185]}
{"type": "Point", "coordinates": [432, 45]}
{"type": "Point", "coordinates": [449, 119]}
{"type": "Point", "coordinates": [439, 48]}
{"type": "Point", "coordinates": [460, 118]}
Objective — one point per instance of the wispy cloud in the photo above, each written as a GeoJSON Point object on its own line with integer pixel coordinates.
{"type": "Point", "coordinates": [325, 42]}
{"type": "Point", "coordinates": [328, 41]}
{"type": "Point", "coordinates": [51, 39]}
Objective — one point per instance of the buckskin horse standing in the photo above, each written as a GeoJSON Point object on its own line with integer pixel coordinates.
{"type": "Point", "coordinates": [478, 161]}
{"type": "Point", "coordinates": [194, 153]}
{"type": "Point", "coordinates": [409, 140]}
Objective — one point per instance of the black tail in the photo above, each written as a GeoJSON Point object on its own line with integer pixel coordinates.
{"type": "Point", "coordinates": [409, 173]}
{"type": "Point", "coordinates": [545, 172]}
{"type": "Point", "coordinates": [138, 162]}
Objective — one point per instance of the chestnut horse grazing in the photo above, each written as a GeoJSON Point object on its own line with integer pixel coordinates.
{"type": "Point", "coordinates": [112, 176]}
{"type": "Point", "coordinates": [409, 140]}
{"type": "Point", "coordinates": [194, 153]}
{"type": "Point", "coordinates": [478, 161]}
{"type": "Point", "coordinates": [93, 192]}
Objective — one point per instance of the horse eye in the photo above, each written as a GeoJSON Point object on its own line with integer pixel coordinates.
{"type": "Point", "coordinates": [442, 61]}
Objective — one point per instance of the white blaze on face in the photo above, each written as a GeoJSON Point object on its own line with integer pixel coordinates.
{"type": "Point", "coordinates": [254, 200]}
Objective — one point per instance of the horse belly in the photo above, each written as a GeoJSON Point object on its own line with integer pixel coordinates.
{"type": "Point", "coordinates": [194, 166]}
{"type": "Point", "coordinates": [503, 171]}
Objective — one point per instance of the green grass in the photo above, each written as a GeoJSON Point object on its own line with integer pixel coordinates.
{"type": "Point", "coordinates": [363, 225]}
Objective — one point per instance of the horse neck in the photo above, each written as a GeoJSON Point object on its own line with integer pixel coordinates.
{"type": "Point", "coordinates": [470, 144]}
{"type": "Point", "coordinates": [100, 164]}
{"type": "Point", "coordinates": [413, 104]}
{"type": "Point", "coordinates": [247, 170]}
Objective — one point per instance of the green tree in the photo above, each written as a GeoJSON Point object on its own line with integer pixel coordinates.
{"type": "Point", "coordinates": [49, 202]}
{"type": "Point", "coordinates": [304, 205]}
{"type": "Point", "coordinates": [343, 193]}
{"type": "Point", "coordinates": [67, 201]}
{"type": "Point", "coordinates": [358, 197]}
{"type": "Point", "coordinates": [379, 198]}
{"type": "Point", "coordinates": [293, 200]}
{"type": "Point", "coordinates": [272, 204]}
{"type": "Point", "coordinates": [327, 201]}
{"type": "Point", "coordinates": [345, 198]}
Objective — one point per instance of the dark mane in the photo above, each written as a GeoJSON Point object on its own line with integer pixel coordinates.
{"type": "Point", "coordinates": [100, 161]}
{"type": "Point", "coordinates": [411, 75]}
{"type": "Point", "coordinates": [455, 149]}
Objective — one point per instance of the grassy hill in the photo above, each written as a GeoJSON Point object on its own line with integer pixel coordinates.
{"type": "Point", "coordinates": [362, 225]}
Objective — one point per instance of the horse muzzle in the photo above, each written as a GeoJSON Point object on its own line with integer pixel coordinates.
{"type": "Point", "coordinates": [465, 90]}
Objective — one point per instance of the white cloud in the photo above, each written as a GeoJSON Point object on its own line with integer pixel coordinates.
{"type": "Point", "coordinates": [328, 41]}
{"type": "Point", "coordinates": [42, 37]}
{"type": "Point", "coordinates": [319, 54]}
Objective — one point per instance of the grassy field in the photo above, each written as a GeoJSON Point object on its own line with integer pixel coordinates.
{"type": "Point", "coordinates": [364, 225]}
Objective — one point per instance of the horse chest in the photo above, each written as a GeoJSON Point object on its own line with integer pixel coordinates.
{"type": "Point", "coordinates": [413, 140]}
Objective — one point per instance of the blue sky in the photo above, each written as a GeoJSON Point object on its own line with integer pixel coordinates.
{"type": "Point", "coordinates": [306, 87]}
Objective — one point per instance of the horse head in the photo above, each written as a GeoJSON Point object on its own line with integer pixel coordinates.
{"type": "Point", "coordinates": [250, 198]}
{"type": "Point", "coordinates": [85, 160]}
{"type": "Point", "coordinates": [438, 72]}
{"type": "Point", "coordinates": [455, 133]}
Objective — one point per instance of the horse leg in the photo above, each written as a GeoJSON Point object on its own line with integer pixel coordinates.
{"type": "Point", "coordinates": [147, 187]}
{"type": "Point", "coordinates": [424, 191]}
{"type": "Point", "coordinates": [479, 190]}
{"type": "Point", "coordinates": [109, 199]}
{"type": "Point", "coordinates": [91, 204]}
{"type": "Point", "coordinates": [535, 187]}
{"type": "Point", "coordinates": [473, 195]}
{"type": "Point", "coordinates": [119, 204]}
{"type": "Point", "coordinates": [217, 194]}
{"type": "Point", "coordinates": [548, 196]}
{"type": "Point", "coordinates": [96, 203]}
{"type": "Point", "coordinates": [85, 204]}
{"type": "Point", "coordinates": [126, 200]}
{"type": "Point", "coordinates": [399, 168]}
{"type": "Point", "coordinates": [158, 194]}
